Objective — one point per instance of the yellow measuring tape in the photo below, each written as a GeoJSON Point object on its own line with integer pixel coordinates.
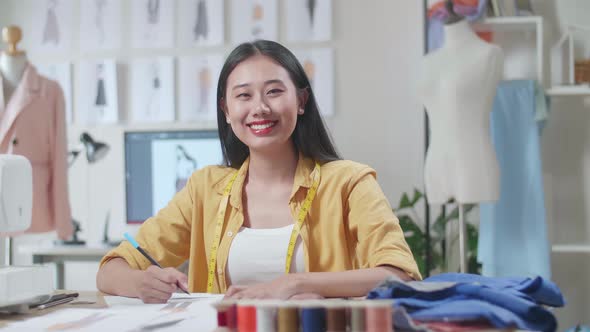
{"type": "Point", "coordinates": [294, 234]}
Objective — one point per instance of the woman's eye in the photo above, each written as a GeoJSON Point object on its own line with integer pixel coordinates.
{"type": "Point", "coordinates": [274, 91]}
{"type": "Point", "coordinates": [243, 95]}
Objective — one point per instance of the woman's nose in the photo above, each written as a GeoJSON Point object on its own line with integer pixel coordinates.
{"type": "Point", "coordinates": [262, 107]}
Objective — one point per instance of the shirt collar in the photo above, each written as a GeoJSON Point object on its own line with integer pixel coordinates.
{"type": "Point", "coordinates": [303, 179]}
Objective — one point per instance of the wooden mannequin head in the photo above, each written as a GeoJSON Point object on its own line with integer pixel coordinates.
{"type": "Point", "coordinates": [12, 35]}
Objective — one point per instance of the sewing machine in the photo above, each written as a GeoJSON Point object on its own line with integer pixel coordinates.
{"type": "Point", "coordinates": [19, 285]}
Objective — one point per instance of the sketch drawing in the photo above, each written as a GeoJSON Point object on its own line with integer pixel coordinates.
{"type": "Point", "coordinates": [201, 25]}
{"type": "Point", "coordinates": [51, 27]}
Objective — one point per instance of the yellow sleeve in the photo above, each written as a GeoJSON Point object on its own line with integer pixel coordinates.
{"type": "Point", "coordinates": [166, 236]}
{"type": "Point", "coordinates": [380, 238]}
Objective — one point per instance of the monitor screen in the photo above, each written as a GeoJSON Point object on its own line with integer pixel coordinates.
{"type": "Point", "coordinates": [159, 163]}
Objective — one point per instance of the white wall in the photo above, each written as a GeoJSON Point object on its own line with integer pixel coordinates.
{"type": "Point", "coordinates": [566, 167]}
{"type": "Point", "coordinates": [377, 120]}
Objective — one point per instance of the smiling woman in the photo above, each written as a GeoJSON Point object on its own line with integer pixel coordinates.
{"type": "Point", "coordinates": [285, 217]}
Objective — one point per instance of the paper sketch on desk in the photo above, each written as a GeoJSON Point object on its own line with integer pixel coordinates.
{"type": "Point", "coordinates": [122, 300]}
{"type": "Point", "coordinates": [182, 313]}
{"type": "Point", "coordinates": [193, 296]}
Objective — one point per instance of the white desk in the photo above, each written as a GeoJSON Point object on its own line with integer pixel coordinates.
{"type": "Point", "coordinates": [59, 254]}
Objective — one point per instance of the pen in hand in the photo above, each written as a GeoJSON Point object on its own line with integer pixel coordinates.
{"type": "Point", "coordinates": [146, 255]}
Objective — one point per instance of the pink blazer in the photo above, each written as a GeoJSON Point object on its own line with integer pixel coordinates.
{"type": "Point", "coordinates": [32, 124]}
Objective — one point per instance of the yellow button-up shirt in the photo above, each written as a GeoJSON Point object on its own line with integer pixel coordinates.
{"type": "Point", "coordinates": [350, 224]}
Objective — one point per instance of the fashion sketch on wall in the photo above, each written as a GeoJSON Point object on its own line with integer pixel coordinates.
{"type": "Point", "coordinates": [173, 162]}
{"type": "Point", "coordinates": [152, 23]}
{"type": "Point", "coordinates": [254, 19]}
{"type": "Point", "coordinates": [51, 23]}
{"type": "Point", "coordinates": [97, 96]}
{"type": "Point", "coordinates": [152, 90]}
{"type": "Point", "coordinates": [200, 23]}
{"type": "Point", "coordinates": [309, 20]}
{"type": "Point", "coordinates": [100, 25]}
{"type": "Point", "coordinates": [51, 27]}
{"type": "Point", "coordinates": [198, 75]}
{"type": "Point", "coordinates": [62, 74]}
{"type": "Point", "coordinates": [318, 64]}
{"type": "Point", "coordinates": [100, 101]}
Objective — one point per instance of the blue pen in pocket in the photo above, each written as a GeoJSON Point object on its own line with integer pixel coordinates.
{"type": "Point", "coordinates": [146, 255]}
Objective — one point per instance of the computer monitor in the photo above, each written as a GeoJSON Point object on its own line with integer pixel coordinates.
{"type": "Point", "coordinates": [158, 164]}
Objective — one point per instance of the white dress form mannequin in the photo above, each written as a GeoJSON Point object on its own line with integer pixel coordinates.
{"type": "Point", "coordinates": [13, 62]}
{"type": "Point", "coordinates": [458, 86]}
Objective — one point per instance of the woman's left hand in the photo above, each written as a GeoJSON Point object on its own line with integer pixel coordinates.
{"type": "Point", "coordinates": [284, 287]}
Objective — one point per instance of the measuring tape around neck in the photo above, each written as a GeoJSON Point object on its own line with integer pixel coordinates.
{"type": "Point", "coordinates": [294, 234]}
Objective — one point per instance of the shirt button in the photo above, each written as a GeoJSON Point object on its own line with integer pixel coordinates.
{"type": "Point", "coordinates": [230, 233]}
{"type": "Point", "coordinates": [220, 271]}
{"type": "Point", "coordinates": [15, 141]}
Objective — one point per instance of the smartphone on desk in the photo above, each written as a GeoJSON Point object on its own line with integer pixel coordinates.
{"type": "Point", "coordinates": [55, 300]}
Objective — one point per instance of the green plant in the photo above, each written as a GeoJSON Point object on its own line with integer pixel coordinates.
{"type": "Point", "coordinates": [415, 235]}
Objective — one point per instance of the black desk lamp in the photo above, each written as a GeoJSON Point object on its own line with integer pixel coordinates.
{"type": "Point", "coordinates": [95, 151]}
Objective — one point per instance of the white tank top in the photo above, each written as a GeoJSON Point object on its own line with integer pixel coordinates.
{"type": "Point", "coordinates": [259, 255]}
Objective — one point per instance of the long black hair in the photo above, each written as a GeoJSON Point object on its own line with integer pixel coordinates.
{"type": "Point", "coordinates": [310, 136]}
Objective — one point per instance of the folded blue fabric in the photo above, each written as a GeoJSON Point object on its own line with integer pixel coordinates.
{"type": "Point", "coordinates": [542, 291]}
{"type": "Point", "coordinates": [503, 302]}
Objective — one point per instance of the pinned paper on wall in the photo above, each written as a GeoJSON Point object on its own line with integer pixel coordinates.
{"type": "Point", "coordinates": [309, 20]}
{"type": "Point", "coordinates": [100, 25]}
{"type": "Point", "coordinates": [51, 26]}
{"type": "Point", "coordinates": [198, 83]}
{"type": "Point", "coordinates": [97, 94]}
{"type": "Point", "coordinates": [152, 23]}
{"type": "Point", "coordinates": [254, 19]}
{"type": "Point", "coordinates": [318, 64]}
{"type": "Point", "coordinates": [62, 74]}
{"type": "Point", "coordinates": [152, 90]}
{"type": "Point", "coordinates": [200, 23]}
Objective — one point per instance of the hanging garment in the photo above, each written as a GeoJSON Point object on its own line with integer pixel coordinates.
{"type": "Point", "coordinates": [437, 14]}
{"type": "Point", "coordinates": [201, 26]}
{"type": "Point", "coordinates": [513, 230]}
{"type": "Point", "coordinates": [501, 302]}
{"type": "Point", "coordinates": [33, 125]}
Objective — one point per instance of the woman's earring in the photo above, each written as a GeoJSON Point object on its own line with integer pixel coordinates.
{"type": "Point", "coordinates": [300, 111]}
{"type": "Point", "coordinates": [227, 120]}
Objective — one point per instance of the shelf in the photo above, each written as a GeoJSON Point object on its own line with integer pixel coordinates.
{"type": "Point", "coordinates": [569, 90]}
{"type": "Point", "coordinates": [510, 23]}
{"type": "Point", "coordinates": [570, 248]}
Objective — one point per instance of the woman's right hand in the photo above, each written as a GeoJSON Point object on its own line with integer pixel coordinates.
{"type": "Point", "coordinates": [156, 285]}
